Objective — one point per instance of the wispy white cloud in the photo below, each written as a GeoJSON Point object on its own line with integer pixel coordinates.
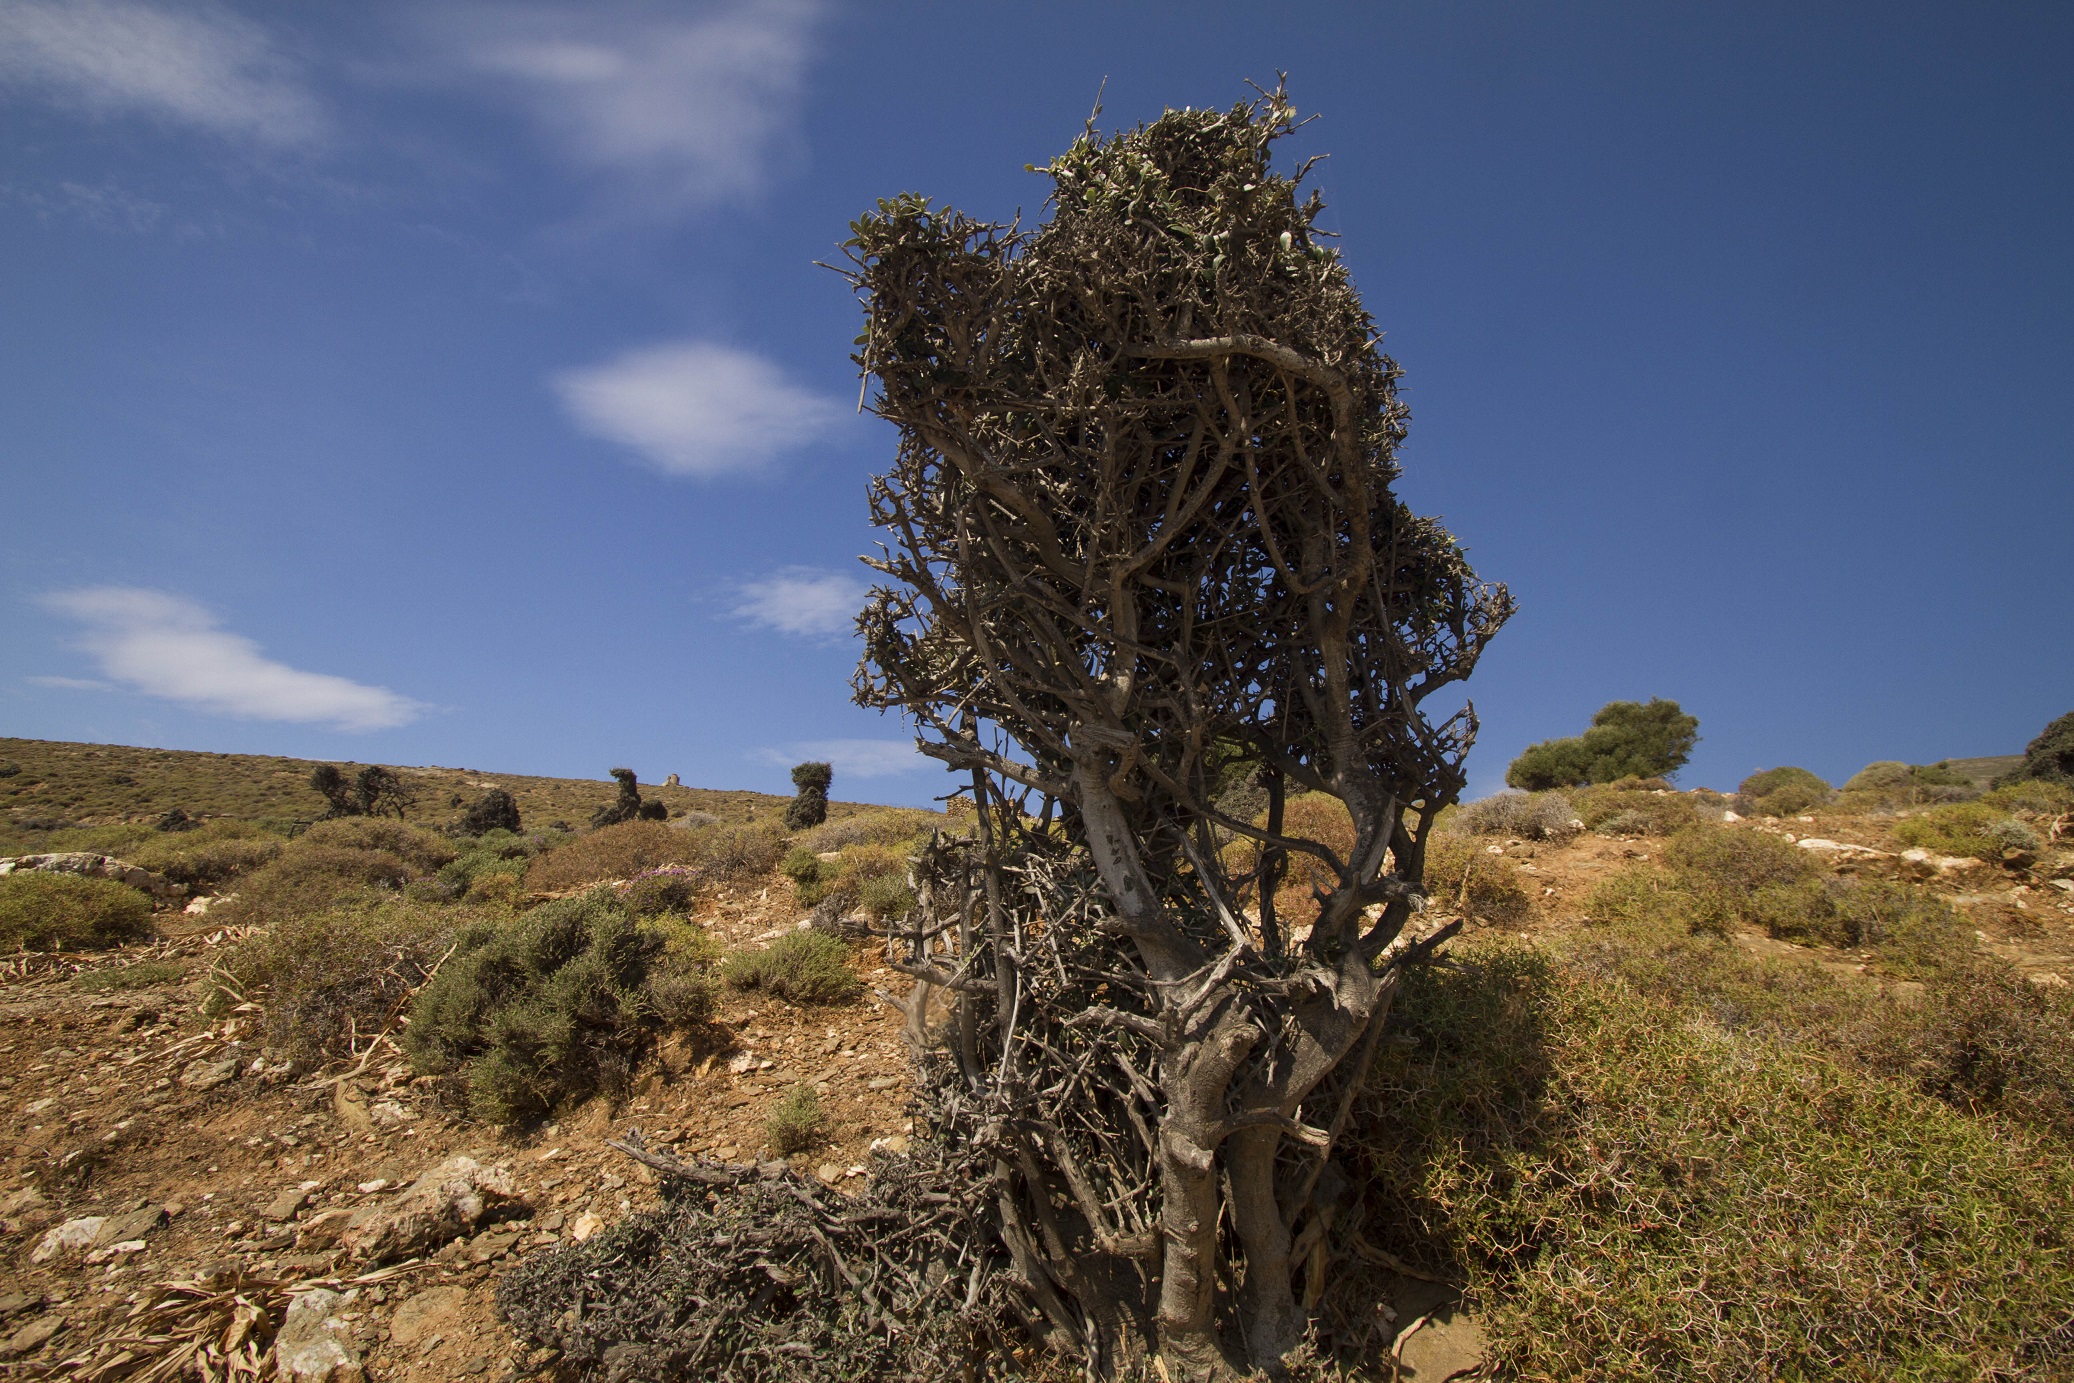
{"type": "Point", "coordinates": [70, 683]}
{"type": "Point", "coordinates": [676, 110]}
{"type": "Point", "coordinates": [168, 646]}
{"type": "Point", "coordinates": [695, 408]}
{"type": "Point", "coordinates": [851, 758]}
{"type": "Point", "coordinates": [802, 601]}
{"type": "Point", "coordinates": [196, 65]}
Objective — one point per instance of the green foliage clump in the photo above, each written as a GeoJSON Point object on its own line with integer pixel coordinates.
{"type": "Point", "coordinates": [47, 911]}
{"type": "Point", "coordinates": [209, 855]}
{"type": "Point", "coordinates": [1784, 791]}
{"type": "Point", "coordinates": [796, 1122]}
{"type": "Point", "coordinates": [424, 851]}
{"type": "Point", "coordinates": [1631, 1190]}
{"type": "Point", "coordinates": [493, 862]}
{"type": "Point", "coordinates": [1636, 807]}
{"type": "Point", "coordinates": [2035, 795]}
{"type": "Point", "coordinates": [326, 976]}
{"type": "Point", "coordinates": [1627, 739]}
{"type": "Point", "coordinates": [661, 892]}
{"type": "Point", "coordinates": [809, 805]}
{"type": "Point", "coordinates": [551, 1008]}
{"type": "Point", "coordinates": [887, 826]}
{"type": "Point", "coordinates": [1982, 830]}
{"type": "Point", "coordinates": [614, 852]}
{"type": "Point", "coordinates": [1520, 815]}
{"type": "Point", "coordinates": [310, 877]}
{"type": "Point", "coordinates": [495, 810]}
{"type": "Point", "coordinates": [1889, 784]}
{"type": "Point", "coordinates": [2050, 757]}
{"type": "Point", "coordinates": [800, 967]}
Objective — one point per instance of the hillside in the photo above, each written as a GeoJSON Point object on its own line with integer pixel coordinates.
{"type": "Point", "coordinates": [51, 786]}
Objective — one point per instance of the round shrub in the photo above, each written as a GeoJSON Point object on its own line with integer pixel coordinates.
{"type": "Point", "coordinates": [612, 852]}
{"type": "Point", "coordinates": [309, 878]}
{"type": "Point", "coordinates": [495, 810]}
{"type": "Point", "coordinates": [424, 851]}
{"type": "Point", "coordinates": [799, 967]}
{"type": "Point", "coordinates": [1784, 791]}
{"type": "Point", "coordinates": [670, 889]}
{"type": "Point", "coordinates": [44, 911]}
{"type": "Point", "coordinates": [209, 855]}
{"type": "Point", "coordinates": [1524, 815]}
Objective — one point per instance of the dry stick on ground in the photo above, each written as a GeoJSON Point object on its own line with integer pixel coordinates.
{"type": "Point", "coordinates": [1140, 528]}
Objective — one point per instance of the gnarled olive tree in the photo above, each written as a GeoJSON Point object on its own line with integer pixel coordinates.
{"type": "Point", "coordinates": [1141, 524]}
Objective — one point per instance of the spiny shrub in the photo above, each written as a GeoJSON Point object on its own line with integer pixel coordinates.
{"type": "Point", "coordinates": [799, 967]}
{"type": "Point", "coordinates": [209, 855]}
{"type": "Point", "coordinates": [43, 911]}
{"type": "Point", "coordinates": [735, 854]}
{"type": "Point", "coordinates": [325, 978]}
{"type": "Point", "coordinates": [886, 897]}
{"type": "Point", "coordinates": [1636, 807]}
{"type": "Point", "coordinates": [615, 852]}
{"type": "Point", "coordinates": [310, 878]}
{"type": "Point", "coordinates": [493, 853]}
{"type": "Point", "coordinates": [2037, 795]}
{"type": "Point", "coordinates": [1461, 876]}
{"type": "Point", "coordinates": [1968, 828]}
{"type": "Point", "coordinates": [891, 826]}
{"type": "Point", "coordinates": [809, 805]}
{"type": "Point", "coordinates": [424, 851]}
{"type": "Point", "coordinates": [548, 1010]}
{"type": "Point", "coordinates": [1628, 1190]}
{"type": "Point", "coordinates": [1783, 792]}
{"type": "Point", "coordinates": [2050, 757]}
{"type": "Point", "coordinates": [796, 1122]}
{"type": "Point", "coordinates": [660, 892]}
{"type": "Point", "coordinates": [1522, 815]}
{"type": "Point", "coordinates": [495, 810]}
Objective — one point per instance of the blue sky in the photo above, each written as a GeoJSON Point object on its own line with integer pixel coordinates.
{"type": "Point", "coordinates": [453, 383]}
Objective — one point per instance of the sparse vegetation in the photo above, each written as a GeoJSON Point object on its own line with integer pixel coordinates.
{"type": "Point", "coordinates": [1889, 785]}
{"type": "Point", "coordinates": [1782, 792]}
{"type": "Point", "coordinates": [796, 1123]}
{"type": "Point", "coordinates": [1520, 815]}
{"type": "Point", "coordinates": [1637, 807]}
{"type": "Point", "coordinates": [209, 855]}
{"type": "Point", "coordinates": [310, 877]}
{"type": "Point", "coordinates": [1983, 830]}
{"type": "Point", "coordinates": [1463, 877]}
{"type": "Point", "coordinates": [809, 805]}
{"type": "Point", "coordinates": [117, 979]}
{"type": "Point", "coordinates": [1627, 739]}
{"type": "Point", "coordinates": [42, 911]}
{"type": "Point", "coordinates": [800, 967]}
{"type": "Point", "coordinates": [553, 1007]}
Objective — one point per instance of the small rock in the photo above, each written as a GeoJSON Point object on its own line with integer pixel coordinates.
{"type": "Point", "coordinates": [314, 1345]}
{"type": "Point", "coordinates": [14, 1303]}
{"type": "Point", "coordinates": [35, 1107]}
{"type": "Point", "coordinates": [742, 1063]}
{"type": "Point", "coordinates": [882, 1082]}
{"type": "Point", "coordinates": [24, 1201]}
{"type": "Point", "coordinates": [829, 1173]}
{"type": "Point", "coordinates": [368, 1188]}
{"type": "Point", "coordinates": [447, 1202]}
{"type": "Point", "coordinates": [487, 1248]}
{"type": "Point", "coordinates": [893, 1144]}
{"type": "Point", "coordinates": [204, 1074]}
{"type": "Point", "coordinates": [31, 1336]}
{"type": "Point", "coordinates": [586, 1225]}
{"type": "Point", "coordinates": [479, 1364]}
{"type": "Point", "coordinates": [133, 1226]}
{"type": "Point", "coordinates": [287, 1203]}
{"type": "Point", "coordinates": [73, 1236]}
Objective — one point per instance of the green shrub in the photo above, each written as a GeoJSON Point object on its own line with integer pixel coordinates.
{"type": "Point", "coordinates": [1627, 739]}
{"type": "Point", "coordinates": [2032, 795]}
{"type": "Point", "coordinates": [659, 892]}
{"type": "Point", "coordinates": [1967, 828]}
{"type": "Point", "coordinates": [495, 810]}
{"type": "Point", "coordinates": [44, 911]}
{"type": "Point", "coordinates": [424, 851]}
{"type": "Point", "coordinates": [328, 977]}
{"type": "Point", "coordinates": [495, 852]}
{"type": "Point", "coordinates": [615, 852]}
{"type": "Point", "coordinates": [1635, 807]}
{"type": "Point", "coordinates": [209, 855]}
{"type": "Point", "coordinates": [1783, 792]}
{"type": "Point", "coordinates": [886, 897]}
{"type": "Point", "coordinates": [736, 854]}
{"type": "Point", "coordinates": [308, 878]}
{"type": "Point", "coordinates": [1462, 877]}
{"type": "Point", "coordinates": [809, 805]}
{"type": "Point", "coordinates": [796, 1123]}
{"type": "Point", "coordinates": [551, 1008]}
{"type": "Point", "coordinates": [1890, 785]}
{"type": "Point", "coordinates": [2050, 757]}
{"type": "Point", "coordinates": [1628, 1190]}
{"type": "Point", "coordinates": [1520, 815]}
{"type": "Point", "coordinates": [887, 826]}
{"type": "Point", "coordinates": [799, 967]}
{"type": "Point", "coordinates": [144, 974]}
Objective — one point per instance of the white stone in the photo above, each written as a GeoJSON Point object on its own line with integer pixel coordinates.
{"type": "Point", "coordinates": [315, 1345]}
{"type": "Point", "coordinates": [73, 1236]}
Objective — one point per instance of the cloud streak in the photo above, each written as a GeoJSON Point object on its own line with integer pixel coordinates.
{"type": "Point", "coordinates": [677, 111]}
{"type": "Point", "coordinates": [852, 758]}
{"type": "Point", "coordinates": [802, 601]}
{"type": "Point", "coordinates": [170, 647]}
{"type": "Point", "coordinates": [695, 408]}
{"type": "Point", "coordinates": [197, 66]}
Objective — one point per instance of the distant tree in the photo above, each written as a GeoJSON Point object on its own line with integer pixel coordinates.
{"type": "Point", "coordinates": [495, 810]}
{"type": "Point", "coordinates": [373, 791]}
{"type": "Point", "coordinates": [809, 805]}
{"type": "Point", "coordinates": [625, 807]}
{"type": "Point", "coordinates": [1627, 739]}
{"type": "Point", "coordinates": [2050, 757]}
{"type": "Point", "coordinates": [335, 789]}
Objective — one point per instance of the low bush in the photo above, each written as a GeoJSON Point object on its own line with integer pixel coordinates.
{"type": "Point", "coordinates": [2049, 757]}
{"type": "Point", "coordinates": [209, 855]}
{"type": "Point", "coordinates": [552, 1008]}
{"type": "Point", "coordinates": [736, 854]}
{"type": "Point", "coordinates": [799, 967]}
{"type": "Point", "coordinates": [796, 1122]}
{"type": "Point", "coordinates": [891, 826]}
{"type": "Point", "coordinates": [145, 974]}
{"type": "Point", "coordinates": [424, 851]}
{"type": "Point", "coordinates": [615, 852]}
{"type": "Point", "coordinates": [308, 878]}
{"type": "Point", "coordinates": [1890, 785]}
{"type": "Point", "coordinates": [1782, 792]}
{"type": "Point", "coordinates": [1977, 829]}
{"type": "Point", "coordinates": [1636, 807]}
{"type": "Point", "coordinates": [42, 911]}
{"type": "Point", "coordinates": [328, 977]}
{"type": "Point", "coordinates": [1461, 876]}
{"type": "Point", "coordinates": [493, 853]}
{"type": "Point", "coordinates": [660, 892]}
{"type": "Point", "coordinates": [2038, 795]}
{"type": "Point", "coordinates": [495, 810]}
{"type": "Point", "coordinates": [1518, 815]}
{"type": "Point", "coordinates": [1630, 1190]}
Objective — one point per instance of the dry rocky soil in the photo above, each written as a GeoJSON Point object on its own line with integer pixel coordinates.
{"type": "Point", "coordinates": [143, 1143]}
